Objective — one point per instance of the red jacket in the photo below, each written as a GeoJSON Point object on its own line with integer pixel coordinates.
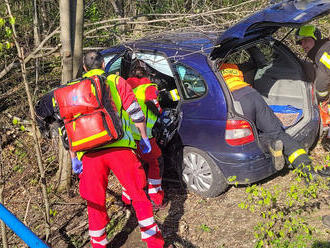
{"type": "Point", "coordinates": [151, 91]}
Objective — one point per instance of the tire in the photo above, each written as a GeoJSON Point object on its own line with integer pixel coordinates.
{"type": "Point", "coordinates": [200, 173]}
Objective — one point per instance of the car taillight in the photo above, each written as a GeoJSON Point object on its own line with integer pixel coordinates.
{"type": "Point", "coordinates": [238, 132]}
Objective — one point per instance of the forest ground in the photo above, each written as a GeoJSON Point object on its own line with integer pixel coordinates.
{"type": "Point", "coordinates": [188, 220]}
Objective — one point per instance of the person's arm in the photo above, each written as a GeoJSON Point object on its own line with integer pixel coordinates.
{"type": "Point", "coordinates": [141, 126]}
{"type": "Point", "coordinates": [131, 106]}
{"type": "Point", "coordinates": [72, 154]}
{"type": "Point", "coordinates": [133, 109]}
{"type": "Point", "coordinates": [151, 101]}
{"type": "Point", "coordinates": [322, 79]}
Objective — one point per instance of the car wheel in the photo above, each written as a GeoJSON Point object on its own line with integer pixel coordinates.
{"type": "Point", "coordinates": [201, 174]}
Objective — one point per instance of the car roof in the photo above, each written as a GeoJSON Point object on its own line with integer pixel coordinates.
{"type": "Point", "coordinates": [293, 13]}
{"type": "Point", "coordinates": [173, 42]}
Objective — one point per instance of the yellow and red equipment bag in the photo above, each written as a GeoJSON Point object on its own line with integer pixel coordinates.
{"type": "Point", "coordinates": [90, 118]}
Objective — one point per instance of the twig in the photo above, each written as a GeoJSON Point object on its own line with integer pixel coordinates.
{"type": "Point", "coordinates": [85, 223]}
{"type": "Point", "coordinates": [31, 55]}
{"type": "Point", "coordinates": [26, 211]}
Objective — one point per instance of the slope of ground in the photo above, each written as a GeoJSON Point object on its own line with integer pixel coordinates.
{"type": "Point", "coordinates": [187, 221]}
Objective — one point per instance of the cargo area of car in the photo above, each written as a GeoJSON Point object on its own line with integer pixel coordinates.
{"type": "Point", "coordinates": [276, 74]}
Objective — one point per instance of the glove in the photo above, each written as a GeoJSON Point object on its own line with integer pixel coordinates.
{"type": "Point", "coordinates": [77, 166]}
{"type": "Point", "coordinates": [145, 145]}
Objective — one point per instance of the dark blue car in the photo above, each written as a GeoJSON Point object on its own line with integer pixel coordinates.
{"type": "Point", "coordinates": [203, 132]}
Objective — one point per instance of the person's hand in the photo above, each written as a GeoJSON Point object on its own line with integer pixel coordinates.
{"type": "Point", "coordinates": [145, 145]}
{"type": "Point", "coordinates": [77, 166]}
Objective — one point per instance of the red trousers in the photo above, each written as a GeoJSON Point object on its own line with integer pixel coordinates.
{"type": "Point", "coordinates": [155, 190]}
{"type": "Point", "coordinates": [129, 172]}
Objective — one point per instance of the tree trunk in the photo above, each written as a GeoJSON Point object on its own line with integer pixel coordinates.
{"type": "Point", "coordinates": [78, 38]}
{"type": "Point", "coordinates": [64, 172]}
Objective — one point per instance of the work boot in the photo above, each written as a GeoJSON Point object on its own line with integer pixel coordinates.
{"type": "Point", "coordinates": [326, 220]}
{"type": "Point", "coordinates": [276, 150]}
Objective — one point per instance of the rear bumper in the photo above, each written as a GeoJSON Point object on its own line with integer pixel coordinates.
{"type": "Point", "coordinates": [309, 133]}
{"type": "Point", "coordinates": [249, 171]}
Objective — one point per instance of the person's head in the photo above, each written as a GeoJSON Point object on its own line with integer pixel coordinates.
{"type": "Point", "coordinates": [138, 69]}
{"type": "Point", "coordinates": [231, 71]}
{"type": "Point", "coordinates": [93, 60]}
{"type": "Point", "coordinates": [306, 36]}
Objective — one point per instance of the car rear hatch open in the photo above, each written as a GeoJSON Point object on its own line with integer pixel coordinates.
{"type": "Point", "coordinates": [280, 81]}
{"type": "Point", "coordinates": [290, 13]}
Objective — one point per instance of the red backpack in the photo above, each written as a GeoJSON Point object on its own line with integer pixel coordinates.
{"type": "Point", "coordinates": [90, 118]}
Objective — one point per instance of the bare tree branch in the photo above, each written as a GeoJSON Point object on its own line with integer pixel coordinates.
{"type": "Point", "coordinates": [31, 55]}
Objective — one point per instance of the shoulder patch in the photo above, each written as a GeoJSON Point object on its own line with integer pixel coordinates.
{"type": "Point", "coordinates": [325, 59]}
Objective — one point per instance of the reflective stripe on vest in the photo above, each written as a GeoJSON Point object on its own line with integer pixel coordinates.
{"type": "Point", "coordinates": [234, 84]}
{"type": "Point", "coordinates": [151, 118]}
{"type": "Point", "coordinates": [325, 59]}
{"type": "Point", "coordinates": [296, 154]}
{"type": "Point", "coordinates": [127, 139]}
{"type": "Point", "coordinates": [322, 93]}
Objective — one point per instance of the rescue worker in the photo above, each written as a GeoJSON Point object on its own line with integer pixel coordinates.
{"type": "Point", "coordinates": [146, 93]}
{"type": "Point", "coordinates": [121, 159]}
{"type": "Point", "coordinates": [256, 110]}
{"type": "Point", "coordinates": [318, 50]}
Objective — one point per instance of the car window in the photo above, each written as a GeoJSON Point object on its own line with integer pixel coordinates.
{"type": "Point", "coordinates": [238, 58]}
{"type": "Point", "coordinates": [156, 61]}
{"type": "Point", "coordinates": [192, 84]}
{"type": "Point", "coordinates": [114, 68]}
{"type": "Point", "coordinates": [267, 52]}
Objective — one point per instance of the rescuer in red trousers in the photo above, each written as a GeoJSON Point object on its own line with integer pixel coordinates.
{"type": "Point", "coordinates": [146, 93]}
{"type": "Point", "coordinates": [121, 159]}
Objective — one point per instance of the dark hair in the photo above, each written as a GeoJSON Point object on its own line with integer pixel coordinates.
{"type": "Point", "coordinates": [139, 72]}
{"type": "Point", "coordinates": [138, 69]}
{"type": "Point", "coordinates": [93, 60]}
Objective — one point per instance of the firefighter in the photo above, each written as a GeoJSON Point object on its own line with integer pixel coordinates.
{"type": "Point", "coordinates": [121, 159]}
{"type": "Point", "coordinates": [318, 50]}
{"type": "Point", "coordinates": [256, 110]}
{"type": "Point", "coordinates": [146, 93]}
